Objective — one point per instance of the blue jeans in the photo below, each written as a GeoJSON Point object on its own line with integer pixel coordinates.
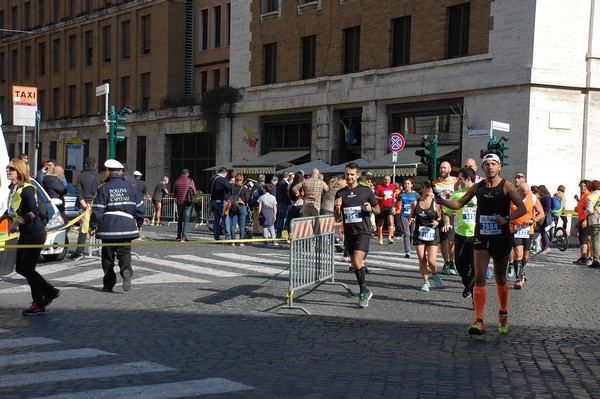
{"type": "Point", "coordinates": [183, 217]}
{"type": "Point", "coordinates": [217, 209]}
{"type": "Point", "coordinates": [238, 220]}
{"type": "Point", "coordinates": [282, 211]}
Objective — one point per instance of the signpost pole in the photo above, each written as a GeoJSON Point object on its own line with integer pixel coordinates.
{"type": "Point", "coordinates": [23, 144]}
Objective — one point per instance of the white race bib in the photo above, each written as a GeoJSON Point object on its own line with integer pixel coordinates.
{"type": "Point", "coordinates": [522, 231]}
{"type": "Point", "coordinates": [352, 214]}
{"type": "Point", "coordinates": [468, 214]}
{"type": "Point", "coordinates": [488, 225]}
{"type": "Point", "coordinates": [426, 233]}
{"type": "Point", "coordinates": [387, 194]}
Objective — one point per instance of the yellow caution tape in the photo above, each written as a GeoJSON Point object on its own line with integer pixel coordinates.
{"type": "Point", "coordinates": [4, 238]}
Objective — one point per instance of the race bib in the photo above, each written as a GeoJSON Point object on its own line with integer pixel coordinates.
{"type": "Point", "coordinates": [468, 214]}
{"type": "Point", "coordinates": [522, 231]}
{"type": "Point", "coordinates": [426, 233]}
{"type": "Point", "coordinates": [387, 194]}
{"type": "Point", "coordinates": [352, 214]}
{"type": "Point", "coordinates": [406, 208]}
{"type": "Point", "coordinates": [488, 226]}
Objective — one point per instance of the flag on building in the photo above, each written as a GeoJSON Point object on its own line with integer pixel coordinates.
{"type": "Point", "coordinates": [349, 133]}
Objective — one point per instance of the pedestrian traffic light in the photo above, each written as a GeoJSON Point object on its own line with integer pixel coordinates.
{"type": "Point", "coordinates": [429, 154]}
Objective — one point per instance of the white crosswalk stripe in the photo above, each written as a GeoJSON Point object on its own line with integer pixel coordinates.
{"type": "Point", "coordinates": [156, 390]}
{"type": "Point", "coordinates": [40, 357]}
{"type": "Point", "coordinates": [188, 267]}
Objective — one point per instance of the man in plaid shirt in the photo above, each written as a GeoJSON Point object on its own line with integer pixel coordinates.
{"type": "Point", "coordinates": [313, 188]}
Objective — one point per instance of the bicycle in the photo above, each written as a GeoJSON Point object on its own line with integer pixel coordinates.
{"type": "Point", "coordinates": [558, 236]}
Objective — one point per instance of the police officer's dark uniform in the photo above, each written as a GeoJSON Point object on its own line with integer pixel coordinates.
{"type": "Point", "coordinates": [117, 214]}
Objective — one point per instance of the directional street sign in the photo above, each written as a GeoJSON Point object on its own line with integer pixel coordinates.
{"type": "Point", "coordinates": [395, 142]}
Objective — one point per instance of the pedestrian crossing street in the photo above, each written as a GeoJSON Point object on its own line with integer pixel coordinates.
{"type": "Point", "coordinates": [187, 268]}
{"type": "Point", "coordinates": [31, 363]}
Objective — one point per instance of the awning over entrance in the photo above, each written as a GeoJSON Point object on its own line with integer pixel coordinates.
{"type": "Point", "coordinates": [269, 162]}
{"type": "Point", "coordinates": [407, 162]}
{"type": "Point", "coordinates": [339, 169]}
{"type": "Point", "coordinates": [306, 167]}
{"type": "Point", "coordinates": [228, 165]}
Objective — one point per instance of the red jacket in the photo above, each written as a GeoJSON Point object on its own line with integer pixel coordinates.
{"type": "Point", "coordinates": [181, 187]}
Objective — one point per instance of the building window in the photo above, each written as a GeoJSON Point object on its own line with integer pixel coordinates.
{"type": "Point", "coordinates": [56, 55]}
{"type": "Point", "coordinates": [27, 61]}
{"type": "Point", "coordinates": [72, 52]}
{"type": "Point", "coordinates": [102, 151]}
{"type": "Point", "coordinates": [203, 82]}
{"type": "Point", "coordinates": [203, 30]}
{"type": "Point", "coordinates": [270, 6]}
{"type": "Point", "coordinates": [226, 82]}
{"type": "Point", "coordinates": [309, 56]}
{"type": "Point", "coordinates": [146, 34]}
{"type": "Point", "coordinates": [89, 99]}
{"type": "Point", "coordinates": [106, 44]}
{"type": "Point", "coordinates": [217, 27]}
{"type": "Point", "coordinates": [228, 24]}
{"type": "Point", "coordinates": [2, 68]}
{"type": "Point", "coordinates": [216, 77]}
{"type": "Point", "coordinates": [125, 90]}
{"type": "Point", "coordinates": [14, 18]}
{"type": "Point", "coordinates": [270, 62]}
{"type": "Point", "coordinates": [140, 158]}
{"type": "Point", "coordinates": [125, 39]}
{"type": "Point", "coordinates": [42, 102]}
{"type": "Point", "coordinates": [145, 91]}
{"type": "Point", "coordinates": [27, 15]}
{"type": "Point", "coordinates": [2, 26]}
{"type": "Point", "coordinates": [72, 98]}
{"type": "Point", "coordinates": [41, 8]}
{"type": "Point", "coordinates": [88, 7]}
{"type": "Point", "coordinates": [89, 47]}
{"type": "Point", "coordinates": [56, 9]}
{"type": "Point", "coordinates": [73, 8]}
{"type": "Point", "coordinates": [42, 58]}
{"type": "Point", "coordinates": [14, 65]}
{"type": "Point", "coordinates": [53, 150]}
{"type": "Point", "coordinates": [287, 135]}
{"type": "Point", "coordinates": [458, 30]}
{"type": "Point", "coordinates": [401, 41]}
{"type": "Point", "coordinates": [352, 49]}
{"type": "Point", "coordinates": [56, 103]}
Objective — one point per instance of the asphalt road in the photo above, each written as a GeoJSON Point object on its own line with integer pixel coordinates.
{"type": "Point", "coordinates": [208, 320]}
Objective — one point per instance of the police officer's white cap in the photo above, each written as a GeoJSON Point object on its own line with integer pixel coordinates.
{"type": "Point", "coordinates": [137, 173]}
{"type": "Point", "coordinates": [113, 164]}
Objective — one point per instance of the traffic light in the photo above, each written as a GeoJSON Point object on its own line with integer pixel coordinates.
{"type": "Point", "coordinates": [429, 154]}
{"type": "Point", "coordinates": [115, 129]}
{"type": "Point", "coordinates": [497, 147]}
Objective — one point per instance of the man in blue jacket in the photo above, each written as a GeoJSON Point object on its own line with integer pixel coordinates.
{"type": "Point", "coordinates": [117, 217]}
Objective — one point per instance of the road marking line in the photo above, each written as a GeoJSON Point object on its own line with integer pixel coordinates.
{"type": "Point", "coordinates": [110, 370]}
{"type": "Point", "coordinates": [189, 268]}
{"type": "Point", "coordinates": [236, 265]}
{"type": "Point", "coordinates": [270, 260]}
{"type": "Point", "coordinates": [39, 357]}
{"type": "Point", "coordinates": [161, 391]}
{"type": "Point", "coordinates": [26, 341]}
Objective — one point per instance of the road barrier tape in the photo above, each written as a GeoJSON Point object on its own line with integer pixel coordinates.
{"type": "Point", "coordinates": [4, 238]}
{"type": "Point", "coordinates": [137, 243]}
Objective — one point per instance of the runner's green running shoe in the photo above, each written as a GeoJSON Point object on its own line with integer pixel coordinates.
{"type": "Point", "coordinates": [363, 301]}
{"type": "Point", "coordinates": [503, 322]}
{"type": "Point", "coordinates": [477, 327]}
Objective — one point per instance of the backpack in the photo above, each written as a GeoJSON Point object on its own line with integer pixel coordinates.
{"type": "Point", "coordinates": [256, 193]}
{"type": "Point", "coordinates": [189, 197]}
{"type": "Point", "coordinates": [43, 211]}
{"type": "Point", "coordinates": [235, 208]}
{"type": "Point", "coordinates": [556, 207]}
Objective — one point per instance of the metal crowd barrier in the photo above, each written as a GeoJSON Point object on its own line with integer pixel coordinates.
{"type": "Point", "coordinates": [311, 256]}
{"type": "Point", "coordinates": [93, 252]}
{"type": "Point", "coordinates": [168, 210]}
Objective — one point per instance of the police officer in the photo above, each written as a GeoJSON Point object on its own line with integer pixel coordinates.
{"type": "Point", "coordinates": [117, 217]}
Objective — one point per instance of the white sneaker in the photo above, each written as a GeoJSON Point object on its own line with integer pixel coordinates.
{"type": "Point", "coordinates": [242, 244]}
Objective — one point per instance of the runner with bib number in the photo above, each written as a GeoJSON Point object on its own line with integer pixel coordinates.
{"type": "Point", "coordinates": [493, 238]}
{"type": "Point", "coordinates": [426, 216]}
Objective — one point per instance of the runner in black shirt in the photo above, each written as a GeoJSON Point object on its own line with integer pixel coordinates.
{"type": "Point", "coordinates": [492, 236]}
{"type": "Point", "coordinates": [354, 204]}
